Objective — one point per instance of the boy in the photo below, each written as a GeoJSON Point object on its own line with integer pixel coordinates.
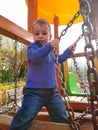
{"type": "Point", "coordinates": [40, 89]}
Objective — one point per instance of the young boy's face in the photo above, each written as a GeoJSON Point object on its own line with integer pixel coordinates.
{"type": "Point", "coordinates": [41, 33]}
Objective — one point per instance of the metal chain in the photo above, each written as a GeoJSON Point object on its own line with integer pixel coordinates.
{"type": "Point", "coordinates": [78, 39]}
{"type": "Point", "coordinates": [70, 111]}
{"type": "Point", "coordinates": [85, 113]}
{"type": "Point", "coordinates": [74, 59]}
{"type": "Point", "coordinates": [95, 33]}
{"type": "Point", "coordinates": [74, 124]}
{"type": "Point", "coordinates": [82, 84]}
{"type": "Point", "coordinates": [15, 77]}
{"type": "Point", "coordinates": [96, 39]}
{"type": "Point", "coordinates": [88, 33]}
{"type": "Point", "coordinates": [69, 24]}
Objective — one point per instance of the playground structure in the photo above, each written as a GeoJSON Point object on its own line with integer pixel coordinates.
{"type": "Point", "coordinates": [26, 37]}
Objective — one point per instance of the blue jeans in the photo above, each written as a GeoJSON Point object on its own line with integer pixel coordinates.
{"type": "Point", "coordinates": [33, 101]}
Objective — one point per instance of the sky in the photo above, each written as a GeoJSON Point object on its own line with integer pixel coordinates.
{"type": "Point", "coordinates": [16, 11]}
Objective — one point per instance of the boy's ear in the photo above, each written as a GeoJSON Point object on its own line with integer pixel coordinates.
{"type": "Point", "coordinates": [50, 37]}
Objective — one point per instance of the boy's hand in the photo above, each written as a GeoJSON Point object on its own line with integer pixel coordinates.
{"type": "Point", "coordinates": [72, 47]}
{"type": "Point", "coordinates": [55, 43]}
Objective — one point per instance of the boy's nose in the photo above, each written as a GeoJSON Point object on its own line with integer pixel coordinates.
{"type": "Point", "coordinates": [40, 35]}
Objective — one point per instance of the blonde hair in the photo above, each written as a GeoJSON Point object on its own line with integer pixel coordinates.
{"type": "Point", "coordinates": [41, 22]}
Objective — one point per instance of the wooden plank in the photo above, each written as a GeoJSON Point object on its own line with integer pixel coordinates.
{"type": "Point", "coordinates": [44, 125]}
{"type": "Point", "coordinates": [43, 116]}
{"type": "Point", "coordinates": [36, 125]}
{"type": "Point", "coordinates": [79, 106]}
{"type": "Point", "coordinates": [11, 30]}
{"type": "Point", "coordinates": [5, 119]}
{"type": "Point", "coordinates": [32, 7]}
{"type": "Point", "coordinates": [15, 32]}
{"type": "Point", "coordinates": [41, 125]}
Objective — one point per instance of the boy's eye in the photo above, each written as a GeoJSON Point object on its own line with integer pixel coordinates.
{"type": "Point", "coordinates": [44, 33]}
{"type": "Point", "coordinates": [36, 34]}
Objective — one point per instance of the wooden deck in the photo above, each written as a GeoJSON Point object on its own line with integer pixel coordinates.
{"type": "Point", "coordinates": [5, 121]}
{"type": "Point", "coordinates": [43, 122]}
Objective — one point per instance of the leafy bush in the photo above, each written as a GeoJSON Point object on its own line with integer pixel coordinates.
{"type": "Point", "coordinates": [8, 86]}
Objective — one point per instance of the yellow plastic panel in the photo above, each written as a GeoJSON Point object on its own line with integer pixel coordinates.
{"type": "Point", "coordinates": [64, 9]}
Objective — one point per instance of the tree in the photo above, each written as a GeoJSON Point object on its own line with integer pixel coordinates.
{"type": "Point", "coordinates": [11, 57]}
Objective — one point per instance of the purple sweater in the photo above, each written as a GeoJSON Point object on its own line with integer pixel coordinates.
{"type": "Point", "coordinates": [41, 73]}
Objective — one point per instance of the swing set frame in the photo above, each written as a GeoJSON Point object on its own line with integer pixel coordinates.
{"type": "Point", "coordinates": [9, 28]}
